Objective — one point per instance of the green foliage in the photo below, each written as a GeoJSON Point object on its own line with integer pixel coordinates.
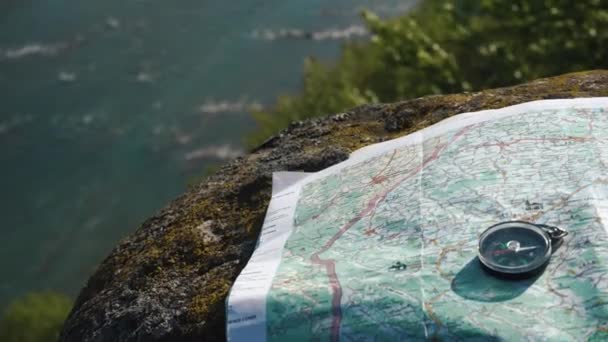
{"type": "Point", "coordinates": [36, 317]}
{"type": "Point", "coordinates": [319, 78]}
{"type": "Point", "coordinates": [447, 46]}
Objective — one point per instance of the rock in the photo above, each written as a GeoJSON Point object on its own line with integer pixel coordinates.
{"type": "Point", "coordinates": [168, 280]}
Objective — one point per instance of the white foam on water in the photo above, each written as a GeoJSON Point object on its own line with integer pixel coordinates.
{"type": "Point", "coordinates": [329, 34]}
{"type": "Point", "coordinates": [113, 23]}
{"type": "Point", "coordinates": [144, 77]}
{"type": "Point", "coordinates": [15, 122]}
{"type": "Point", "coordinates": [223, 152]}
{"type": "Point", "coordinates": [34, 49]}
{"type": "Point", "coordinates": [65, 76]}
{"type": "Point", "coordinates": [213, 107]}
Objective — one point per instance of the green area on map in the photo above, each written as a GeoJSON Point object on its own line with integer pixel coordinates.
{"type": "Point", "coordinates": [386, 249]}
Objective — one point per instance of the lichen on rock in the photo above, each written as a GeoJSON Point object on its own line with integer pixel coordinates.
{"type": "Point", "coordinates": [168, 280]}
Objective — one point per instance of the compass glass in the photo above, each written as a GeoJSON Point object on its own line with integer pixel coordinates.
{"type": "Point", "coordinates": [514, 247]}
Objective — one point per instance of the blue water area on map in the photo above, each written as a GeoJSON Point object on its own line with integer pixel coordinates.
{"type": "Point", "coordinates": [110, 107]}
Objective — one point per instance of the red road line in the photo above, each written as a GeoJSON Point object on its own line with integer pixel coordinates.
{"type": "Point", "coordinates": [502, 144]}
{"type": "Point", "coordinates": [502, 251]}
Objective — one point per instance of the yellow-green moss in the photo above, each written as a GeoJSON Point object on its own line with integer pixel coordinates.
{"type": "Point", "coordinates": [212, 295]}
{"type": "Point", "coordinates": [355, 136]}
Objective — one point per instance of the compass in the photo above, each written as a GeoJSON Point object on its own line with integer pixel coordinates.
{"type": "Point", "coordinates": [517, 248]}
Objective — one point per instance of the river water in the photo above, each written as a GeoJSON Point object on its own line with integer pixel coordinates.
{"type": "Point", "coordinates": [110, 107]}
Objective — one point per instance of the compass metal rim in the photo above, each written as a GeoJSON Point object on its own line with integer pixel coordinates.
{"type": "Point", "coordinates": [515, 270]}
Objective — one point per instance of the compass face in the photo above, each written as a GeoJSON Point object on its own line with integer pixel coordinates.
{"type": "Point", "coordinates": [514, 247]}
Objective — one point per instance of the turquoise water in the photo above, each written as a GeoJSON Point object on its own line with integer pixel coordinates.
{"type": "Point", "coordinates": [110, 107]}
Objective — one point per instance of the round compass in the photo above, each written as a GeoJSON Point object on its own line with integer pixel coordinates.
{"type": "Point", "coordinates": [517, 248]}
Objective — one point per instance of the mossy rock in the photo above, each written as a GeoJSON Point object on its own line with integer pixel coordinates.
{"type": "Point", "coordinates": [168, 280]}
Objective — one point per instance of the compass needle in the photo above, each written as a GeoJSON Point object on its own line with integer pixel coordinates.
{"type": "Point", "coordinates": [528, 248]}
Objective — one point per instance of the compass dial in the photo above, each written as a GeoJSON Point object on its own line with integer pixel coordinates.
{"type": "Point", "coordinates": [514, 248]}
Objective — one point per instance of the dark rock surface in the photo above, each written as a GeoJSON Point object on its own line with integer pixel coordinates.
{"type": "Point", "coordinates": [168, 280]}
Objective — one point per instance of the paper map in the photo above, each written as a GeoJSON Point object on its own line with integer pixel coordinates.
{"type": "Point", "coordinates": [383, 246]}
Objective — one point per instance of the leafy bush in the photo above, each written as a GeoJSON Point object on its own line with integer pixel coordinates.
{"type": "Point", "coordinates": [37, 317]}
{"type": "Point", "coordinates": [447, 46]}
